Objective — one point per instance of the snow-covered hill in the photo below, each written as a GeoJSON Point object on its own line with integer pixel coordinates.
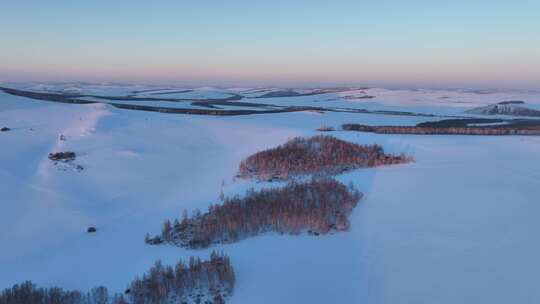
{"type": "Point", "coordinates": [453, 227]}
{"type": "Point", "coordinates": [505, 109]}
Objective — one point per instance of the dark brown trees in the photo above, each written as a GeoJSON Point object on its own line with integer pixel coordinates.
{"type": "Point", "coordinates": [198, 281]}
{"type": "Point", "coordinates": [325, 155]}
{"type": "Point", "coordinates": [317, 206]}
{"type": "Point", "coordinates": [430, 130]}
{"type": "Point", "coordinates": [193, 282]}
{"type": "Point", "coordinates": [28, 293]}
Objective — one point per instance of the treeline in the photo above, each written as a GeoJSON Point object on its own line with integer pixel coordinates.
{"type": "Point", "coordinates": [195, 282]}
{"type": "Point", "coordinates": [326, 129]}
{"type": "Point", "coordinates": [485, 130]}
{"type": "Point", "coordinates": [77, 99]}
{"type": "Point", "coordinates": [317, 206]}
{"type": "Point", "coordinates": [28, 293]}
{"type": "Point", "coordinates": [210, 281]}
{"type": "Point", "coordinates": [326, 155]}
{"type": "Point", "coordinates": [462, 122]}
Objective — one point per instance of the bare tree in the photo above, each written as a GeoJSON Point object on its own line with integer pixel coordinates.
{"type": "Point", "coordinates": [316, 206]}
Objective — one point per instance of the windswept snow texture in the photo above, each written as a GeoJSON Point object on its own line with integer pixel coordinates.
{"type": "Point", "coordinates": [456, 226]}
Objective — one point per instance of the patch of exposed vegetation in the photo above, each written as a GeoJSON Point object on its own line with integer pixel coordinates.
{"type": "Point", "coordinates": [326, 129]}
{"type": "Point", "coordinates": [62, 156]}
{"type": "Point", "coordinates": [28, 293]}
{"type": "Point", "coordinates": [164, 93]}
{"type": "Point", "coordinates": [197, 281]}
{"type": "Point", "coordinates": [214, 104]}
{"type": "Point", "coordinates": [316, 206]}
{"type": "Point", "coordinates": [459, 122]}
{"type": "Point", "coordinates": [207, 281]}
{"type": "Point", "coordinates": [353, 97]}
{"type": "Point", "coordinates": [475, 126]}
{"type": "Point", "coordinates": [324, 155]}
{"type": "Point", "coordinates": [293, 93]}
{"type": "Point", "coordinates": [65, 161]}
{"type": "Point", "coordinates": [511, 102]}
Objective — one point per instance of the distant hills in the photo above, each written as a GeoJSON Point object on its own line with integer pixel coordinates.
{"type": "Point", "coordinates": [512, 108]}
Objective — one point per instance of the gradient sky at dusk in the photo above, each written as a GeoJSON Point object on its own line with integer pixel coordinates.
{"type": "Point", "coordinates": [432, 43]}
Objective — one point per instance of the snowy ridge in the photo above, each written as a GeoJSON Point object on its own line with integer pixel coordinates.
{"type": "Point", "coordinates": [79, 128]}
{"type": "Point", "coordinates": [505, 109]}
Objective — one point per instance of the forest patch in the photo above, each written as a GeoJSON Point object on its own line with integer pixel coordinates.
{"type": "Point", "coordinates": [324, 155]}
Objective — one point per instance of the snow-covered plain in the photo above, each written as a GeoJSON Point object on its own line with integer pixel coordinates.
{"type": "Point", "coordinates": [442, 102]}
{"type": "Point", "coordinates": [456, 226]}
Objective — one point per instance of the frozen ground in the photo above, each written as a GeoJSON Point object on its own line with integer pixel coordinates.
{"type": "Point", "coordinates": [456, 226]}
{"type": "Point", "coordinates": [442, 102]}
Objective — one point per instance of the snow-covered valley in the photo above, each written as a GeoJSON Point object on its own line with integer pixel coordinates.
{"type": "Point", "coordinates": [455, 226]}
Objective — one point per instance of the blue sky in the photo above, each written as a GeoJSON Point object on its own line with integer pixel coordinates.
{"type": "Point", "coordinates": [413, 43]}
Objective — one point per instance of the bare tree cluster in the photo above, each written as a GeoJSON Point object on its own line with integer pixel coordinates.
{"type": "Point", "coordinates": [317, 206]}
{"type": "Point", "coordinates": [442, 130]}
{"type": "Point", "coordinates": [209, 281]}
{"type": "Point", "coordinates": [28, 293]}
{"type": "Point", "coordinates": [325, 128]}
{"type": "Point", "coordinates": [197, 281]}
{"type": "Point", "coordinates": [325, 155]}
